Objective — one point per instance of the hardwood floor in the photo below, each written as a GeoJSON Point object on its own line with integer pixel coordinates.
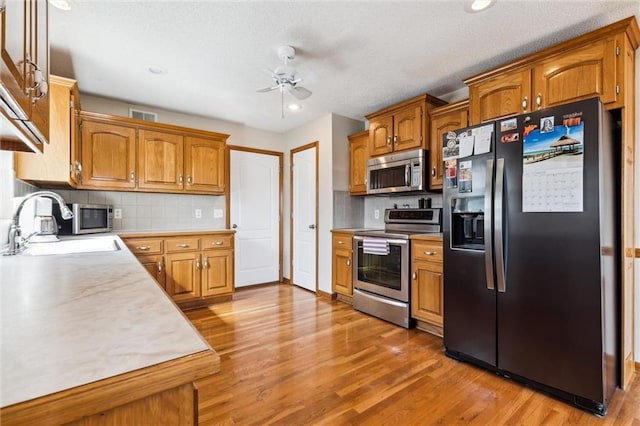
{"type": "Point", "coordinates": [290, 358]}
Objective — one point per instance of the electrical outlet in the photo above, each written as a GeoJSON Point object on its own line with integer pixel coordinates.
{"type": "Point", "coordinates": [198, 213]}
{"type": "Point", "coordinates": [217, 213]}
{"type": "Point", "coordinates": [117, 213]}
{"type": "Point", "coordinates": [376, 214]}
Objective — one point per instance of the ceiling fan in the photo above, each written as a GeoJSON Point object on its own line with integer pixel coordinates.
{"type": "Point", "coordinates": [285, 78]}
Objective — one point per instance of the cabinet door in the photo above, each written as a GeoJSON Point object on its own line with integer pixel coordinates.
{"type": "Point", "coordinates": [358, 155]}
{"type": "Point", "coordinates": [155, 266]}
{"type": "Point", "coordinates": [108, 155]}
{"type": "Point", "coordinates": [427, 292]}
{"type": "Point", "coordinates": [502, 96]}
{"type": "Point", "coordinates": [217, 272]}
{"type": "Point", "coordinates": [407, 128]}
{"type": "Point", "coordinates": [204, 165]}
{"type": "Point", "coordinates": [160, 160]}
{"type": "Point", "coordinates": [342, 272]}
{"type": "Point", "coordinates": [577, 74]}
{"type": "Point", "coordinates": [39, 57]}
{"type": "Point", "coordinates": [441, 124]}
{"type": "Point", "coordinates": [381, 135]}
{"type": "Point", "coordinates": [14, 45]}
{"type": "Point", "coordinates": [183, 272]}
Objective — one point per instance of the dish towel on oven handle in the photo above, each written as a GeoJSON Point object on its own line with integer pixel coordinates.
{"type": "Point", "coordinates": [375, 246]}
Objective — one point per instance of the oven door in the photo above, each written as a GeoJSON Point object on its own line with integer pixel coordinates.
{"type": "Point", "coordinates": [382, 266]}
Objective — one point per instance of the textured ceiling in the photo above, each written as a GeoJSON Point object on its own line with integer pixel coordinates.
{"type": "Point", "coordinates": [356, 57]}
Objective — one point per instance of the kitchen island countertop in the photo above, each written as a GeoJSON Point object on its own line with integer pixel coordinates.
{"type": "Point", "coordinates": [75, 319]}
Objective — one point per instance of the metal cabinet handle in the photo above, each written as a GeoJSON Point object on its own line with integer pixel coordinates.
{"type": "Point", "coordinates": [39, 82]}
{"type": "Point", "coordinates": [340, 242]}
{"type": "Point", "coordinates": [539, 101]}
{"type": "Point", "coordinates": [395, 139]}
{"type": "Point", "coordinates": [414, 276]}
{"type": "Point", "coordinates": [159, 266]}
{"type": "Point", "coordinates": [524, 104]}
{"type": "Point", "coordinates": [388, 140]}
{"type": "Point", "coordinates": [143, 248]}
{"type": "Point", "coordinates": [180, 179]}
{"type": "Point", "coordinates": [218, 243]}
{"type": "Point", "coordinates": [348, 262]}
{"type": "Point", "coordinates": [433, 172]}
{"type": "Point", "coordinates": [188, 179]}
{"type": "Point", "coordinates": [132, 176]}
{"type": "Point", "coordinates": [183, 245]}
{"type": "Point", "coordinates": [206, 264]}
{"type": "Point", "coordinates": [430, 253]}
{"type": "Point", "coordinates": [198, 263]}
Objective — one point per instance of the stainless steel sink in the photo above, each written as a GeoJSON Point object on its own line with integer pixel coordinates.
{"type": "Point", "coordinates": [81, 245]}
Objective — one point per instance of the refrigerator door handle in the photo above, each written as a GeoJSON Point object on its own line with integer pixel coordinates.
{"type": "Point", "coordinates": [488, 211]}
{"type": "Point", "coordinates": [498, 225]}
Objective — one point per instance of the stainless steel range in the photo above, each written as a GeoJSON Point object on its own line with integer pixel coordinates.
{"type": "Point", "coordinates": [381, 276]}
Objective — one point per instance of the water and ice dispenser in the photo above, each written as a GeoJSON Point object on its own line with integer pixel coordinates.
{"type": "Point", "coordinates": [467, 223]}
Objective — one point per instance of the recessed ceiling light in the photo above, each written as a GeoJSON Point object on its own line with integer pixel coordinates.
{"type": "Point", "coordinates": [157, 69]}
{"type": "Point", "coordinates": [478, 5]}
{"type": "Point", "coordinates": [60, 4]}
{"type": "Point", "coordinates": [294, 107]}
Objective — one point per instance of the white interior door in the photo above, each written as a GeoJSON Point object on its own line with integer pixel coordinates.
{"type": "Point", "coordinates": [304, 218]}
{"type": "Point", "coordinates": [255, 215]}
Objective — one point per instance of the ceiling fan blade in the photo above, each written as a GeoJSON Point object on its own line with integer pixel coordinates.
{"type": "Point", "coordinates": [300, 92]}
{"type": "Point", "coordinates": [267, 89]}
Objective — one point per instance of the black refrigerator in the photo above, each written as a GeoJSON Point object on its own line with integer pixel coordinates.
{"type": "Point", "coordinates": [531, 271]}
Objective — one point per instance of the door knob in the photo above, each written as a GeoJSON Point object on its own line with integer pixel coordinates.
{"type": "Point", "coordinates": [234, 226]}
{"type": "Point", "coordinates": [312, 226]}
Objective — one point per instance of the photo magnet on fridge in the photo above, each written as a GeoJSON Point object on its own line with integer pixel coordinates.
{"type": "Point", "coordinates": [466, 177]}
{"type": "Point", "coordinates": [451, 173]}
{"type": "Point", "coordinates": [507, 125]}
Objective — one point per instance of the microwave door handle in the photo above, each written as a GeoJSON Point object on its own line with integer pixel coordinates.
{"type": "Point", "coordinates": [407, 175]}
{"type": "Point", "coordinates": [488, 211]}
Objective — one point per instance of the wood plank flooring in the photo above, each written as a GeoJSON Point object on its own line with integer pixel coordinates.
{"type": "Point", "coordinates": [290, 358]}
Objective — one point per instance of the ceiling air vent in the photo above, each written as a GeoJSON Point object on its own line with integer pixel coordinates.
{"type": "Point", "coordinates": [143, 115]}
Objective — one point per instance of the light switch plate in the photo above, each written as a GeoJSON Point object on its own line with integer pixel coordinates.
{"type": "Point", "coordinates": [217, 213]}
{"type": "Point", "coordinates": [117, 213]}
{"type": "Point", "coordinates": [198, 213]}
{"type": "Point", "coordinates": [376, 214]}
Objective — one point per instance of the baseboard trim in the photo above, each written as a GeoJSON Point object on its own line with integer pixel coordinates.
{"type": "Point", "coordinates": [638, 367]}
{"type": "Point", "coordinates": [324, 295]}
{"type": "Point", "coordinates": [286, 281]}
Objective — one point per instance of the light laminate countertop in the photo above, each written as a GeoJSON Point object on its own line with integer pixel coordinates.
{"type": "Point", "coordinates": [69, 320]}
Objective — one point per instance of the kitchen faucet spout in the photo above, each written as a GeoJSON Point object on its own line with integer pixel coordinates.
{"type": "Point", "coordinates": [14, 230]}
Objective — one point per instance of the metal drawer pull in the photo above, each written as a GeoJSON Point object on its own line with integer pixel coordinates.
{"type": "Point", "coordinates": [348, 262]}
{"type": "Point", "coordinates": [159, 266]}
{"type": "Point", "coordinates": [218, 243]}
{"type": "Point", "coordinates": [430, 253]}
{"type": "Point", "coordinates": [340, 242]}
{"type": "Point", "coordinates": [183, 245]}
{"type": "Point", "coordinates": [414, 276]}
{"type": "Point", "coordinates": [143, 248]}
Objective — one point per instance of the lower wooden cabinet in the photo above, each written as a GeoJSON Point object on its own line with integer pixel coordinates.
{"type": "Point", "coordinates": [342, 265]}
{"type": "Point", "coordinates": [427, 291]}
{"type": "Point", "coordinates": [193, 268]}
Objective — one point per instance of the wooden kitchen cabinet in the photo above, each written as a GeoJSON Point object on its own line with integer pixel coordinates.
{"type": "Point", "coordinates": [24, 68]}
{"type": "Point", "coordinates": [108, 153]}
{"type": "Point", "coordinates": [163, 158]}
{"type": "Point", "coordinates": [443, 120]}
{"type": "Point", "coordinates": [427, 290]}
{"type": "Point", "coordinates": [358, 156]}
{"type": "Point", "coordinates": [401, 127]}
{"type": "Point", "coordinates": [194, 268]}
{"type": "Point", "coordinates": [342, 265]}
{"type": "Point", "coordinates": [60, 163]}
{"type": "Point", "coordinates": [587, 66]}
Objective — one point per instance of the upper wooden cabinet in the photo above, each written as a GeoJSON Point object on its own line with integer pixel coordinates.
{"type": "Point", "coordinates": [108, 155]}
{"type": "Point", "coordinates": [121, 153]}
{"type": "Point", "coordinates": [587, 66]}
{"type": "Point", "coordinates": [24, 74]}
{"type": "Point", "coordinates": [358, 155]}
{"type": "Point", "coordinates": [443, 120]}
{"type": "Point", "coordinates": [402, 126]}
{"type": "Point", "coordinates": [60, 161]}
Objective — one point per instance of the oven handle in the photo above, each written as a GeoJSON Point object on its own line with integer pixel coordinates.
{"type": "Point", "coordinates": [407, 175]}
{"type": "Point", "coordinates": [389, 240]}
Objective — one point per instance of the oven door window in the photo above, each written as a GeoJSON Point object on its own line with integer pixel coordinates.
{"type": "Point", "coordinates": [381, 270]}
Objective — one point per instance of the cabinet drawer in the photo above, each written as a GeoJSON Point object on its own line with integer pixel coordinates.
{"type": "Point", "coordinates": [426, 250]}
{"type": "Point", "coordinates": [145, 246]}
{"type": "Point", "coordinates": [342, 241]}
{"type": "Point", "coordinates": [217, 241]}
{"type": "Point", "coordinates": [182, 244]}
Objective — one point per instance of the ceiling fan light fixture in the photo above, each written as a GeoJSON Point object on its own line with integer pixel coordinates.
{"type": "Point", "coordinates": [294, 107]}
{"type": "Point", "coordinates": [474, 6]}
{"type": "Point", "coordinates": [60, 4]}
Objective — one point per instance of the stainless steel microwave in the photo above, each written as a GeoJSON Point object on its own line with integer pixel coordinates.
{"type": "Point", "coordinates": [399, 172]}
{"type": "Point", "coordinates": [87, 219]}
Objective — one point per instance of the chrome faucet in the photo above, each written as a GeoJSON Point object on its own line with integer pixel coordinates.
{"type": "Point", "coordinates": [14, 230]}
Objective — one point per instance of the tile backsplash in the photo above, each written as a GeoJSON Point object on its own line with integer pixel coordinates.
{"type": "Point", "coordinates": [156, 212]}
